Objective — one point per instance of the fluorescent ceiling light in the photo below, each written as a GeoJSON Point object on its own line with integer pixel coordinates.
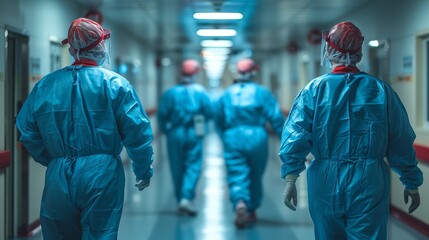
{"type": "Point", "coordinates": [216, 43]}
{"type": "Point", "coordinates": [218, 16]}
{"type": "Point", "coordinates": [53, 38]}
{"type": "Point", "coordinates": [374, 43]}
{"type": "Point", "coordinates": [216, 32]}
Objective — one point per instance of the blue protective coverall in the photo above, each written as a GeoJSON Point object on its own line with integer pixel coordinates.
{"type": "Point", "coordinates": [177, 109]}
{"type": "Point", "coordinates": [76, 122]}
{"type": "Point", "coordinates": [241, 116]}
{"type": "Point", "coordinates": [350, 122]}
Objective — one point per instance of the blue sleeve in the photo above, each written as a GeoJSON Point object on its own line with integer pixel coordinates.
{"type": "Point", "coordinates": [401, 155]}
{"type": "Point", "coordinates": [273, 112]}
{"type": "Point", "coordinates": [29, 130]}
{"type": "Point", "coordinates": [135, 131]}
{"type": "Point", "coordinates": [296, 137]}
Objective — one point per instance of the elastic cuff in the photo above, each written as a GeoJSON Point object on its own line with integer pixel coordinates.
{"type": "Point", "coordinates": [291, 178]}
{"type": "Point", "coordinates": [414, 191]}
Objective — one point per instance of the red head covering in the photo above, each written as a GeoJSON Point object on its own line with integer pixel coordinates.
{"type": "Point", "coordinates": [85, 34]}
{"type": "Point", "coordinates": [345, 37]}
{"type": "Point", "coordinates": [190, 67]}
{"type": "Point", "coordinates": [246, 65]}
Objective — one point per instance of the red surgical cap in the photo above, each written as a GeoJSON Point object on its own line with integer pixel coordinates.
{"type": "Point", "coordinates": [245, 65]}
{"type": "Point", "coordinates": [190, 67]}
{"type": "Point", "coordinates": [85, 34]}
{"type": "Point", "coordinates": [345, 37]}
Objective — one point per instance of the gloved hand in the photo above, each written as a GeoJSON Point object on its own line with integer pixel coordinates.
{"type": "Point", "coordinates": [142, 184]}
{"type": "Point", "coordinates": [290, 194]}
{"type": "Point", "coordinates": [415, 199]}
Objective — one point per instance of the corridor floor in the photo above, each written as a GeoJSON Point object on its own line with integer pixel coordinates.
{"type": "Point", "coordinates": [151, 214]}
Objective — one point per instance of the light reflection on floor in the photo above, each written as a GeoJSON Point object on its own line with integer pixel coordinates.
{"type": "Point", "coordinates": [213, 204]}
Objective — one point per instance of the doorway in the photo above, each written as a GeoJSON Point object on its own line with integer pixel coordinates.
{"type": "Point", "coordinates": [16, 90]}
{"type": "Point", "coordinates": [379, 60]}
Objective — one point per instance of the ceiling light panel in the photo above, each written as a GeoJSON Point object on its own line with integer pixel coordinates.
{"type": "Point", "coordinates": [216, 32]}
{"type": "Point", "coordinates": [218, 16]}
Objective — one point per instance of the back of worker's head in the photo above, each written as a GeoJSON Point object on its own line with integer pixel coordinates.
{"type": "Point", "coordinates": [344, 44]}
{"type": "Point", "coordinates": [86, 39]}
{"type": "Point", "coordinates": [189, 69]}
{"type": "Point", "coordinates": [246, 69]}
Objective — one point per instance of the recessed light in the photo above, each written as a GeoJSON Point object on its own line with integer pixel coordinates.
{"type": "Point", "coordinates": [216, 32]}
{"type": "Point", "coordinates": [218, 16]}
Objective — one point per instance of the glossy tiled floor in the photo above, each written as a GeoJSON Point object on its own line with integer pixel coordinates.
{"type": "Point", "coordinates": [151, 214]}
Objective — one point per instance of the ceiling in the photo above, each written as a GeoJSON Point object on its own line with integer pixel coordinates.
{"type": "Point", "coordinates": [266, 25]}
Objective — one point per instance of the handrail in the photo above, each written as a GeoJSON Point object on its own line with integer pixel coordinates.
{"type": "Point", "coordinates": [5, 159]}
{"type": "Point", "coordinates": [422, 153]}
{"type": "Point", "coordinates": [151, 111]}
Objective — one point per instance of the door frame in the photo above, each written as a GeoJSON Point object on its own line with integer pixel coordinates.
{"type": "Point", "coordinates": [16, 90]}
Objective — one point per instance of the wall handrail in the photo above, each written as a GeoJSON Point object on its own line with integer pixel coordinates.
{"type": "Point", "coordinates": [422, 153]}
{"type": "Point", "coordinates": [5, 159]}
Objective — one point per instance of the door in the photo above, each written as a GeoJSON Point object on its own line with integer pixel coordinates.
{"type": "Point", "coordinates": [16, 90]}
{"type": "Point", "coordinates": [379, 61]}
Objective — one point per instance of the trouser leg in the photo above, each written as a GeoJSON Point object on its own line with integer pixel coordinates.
{"type": "Point", "coordinates": [328, 227]}
{"type": "Point", "coordinates": [238, 172]}
{"type": "Point", "coordinates": [192, 169]}
{"type": "Point", "coordinates": [59, 218]}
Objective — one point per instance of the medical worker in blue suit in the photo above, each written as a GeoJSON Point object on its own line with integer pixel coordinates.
{"type": "Point", "coordinates": [241, 116]}
{"type": "Point", "coordinates": [351, 122]}
{"type": "Point", "coordinates": [75, 122]}
{"type": "Point", "coordinates": [183, 113]}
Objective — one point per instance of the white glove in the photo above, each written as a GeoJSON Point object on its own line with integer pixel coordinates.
{"type": "Point", "coordinates": [290, 194]}
{"type": "Point", "coordinates": [142, 184]}
{"type": "Point", "coordinates": [415, 199]}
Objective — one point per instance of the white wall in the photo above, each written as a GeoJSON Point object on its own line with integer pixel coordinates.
{"type": "Point", "coordinates": [288, 79]}
{"type": "Point", "coordinates": [150, 78]}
